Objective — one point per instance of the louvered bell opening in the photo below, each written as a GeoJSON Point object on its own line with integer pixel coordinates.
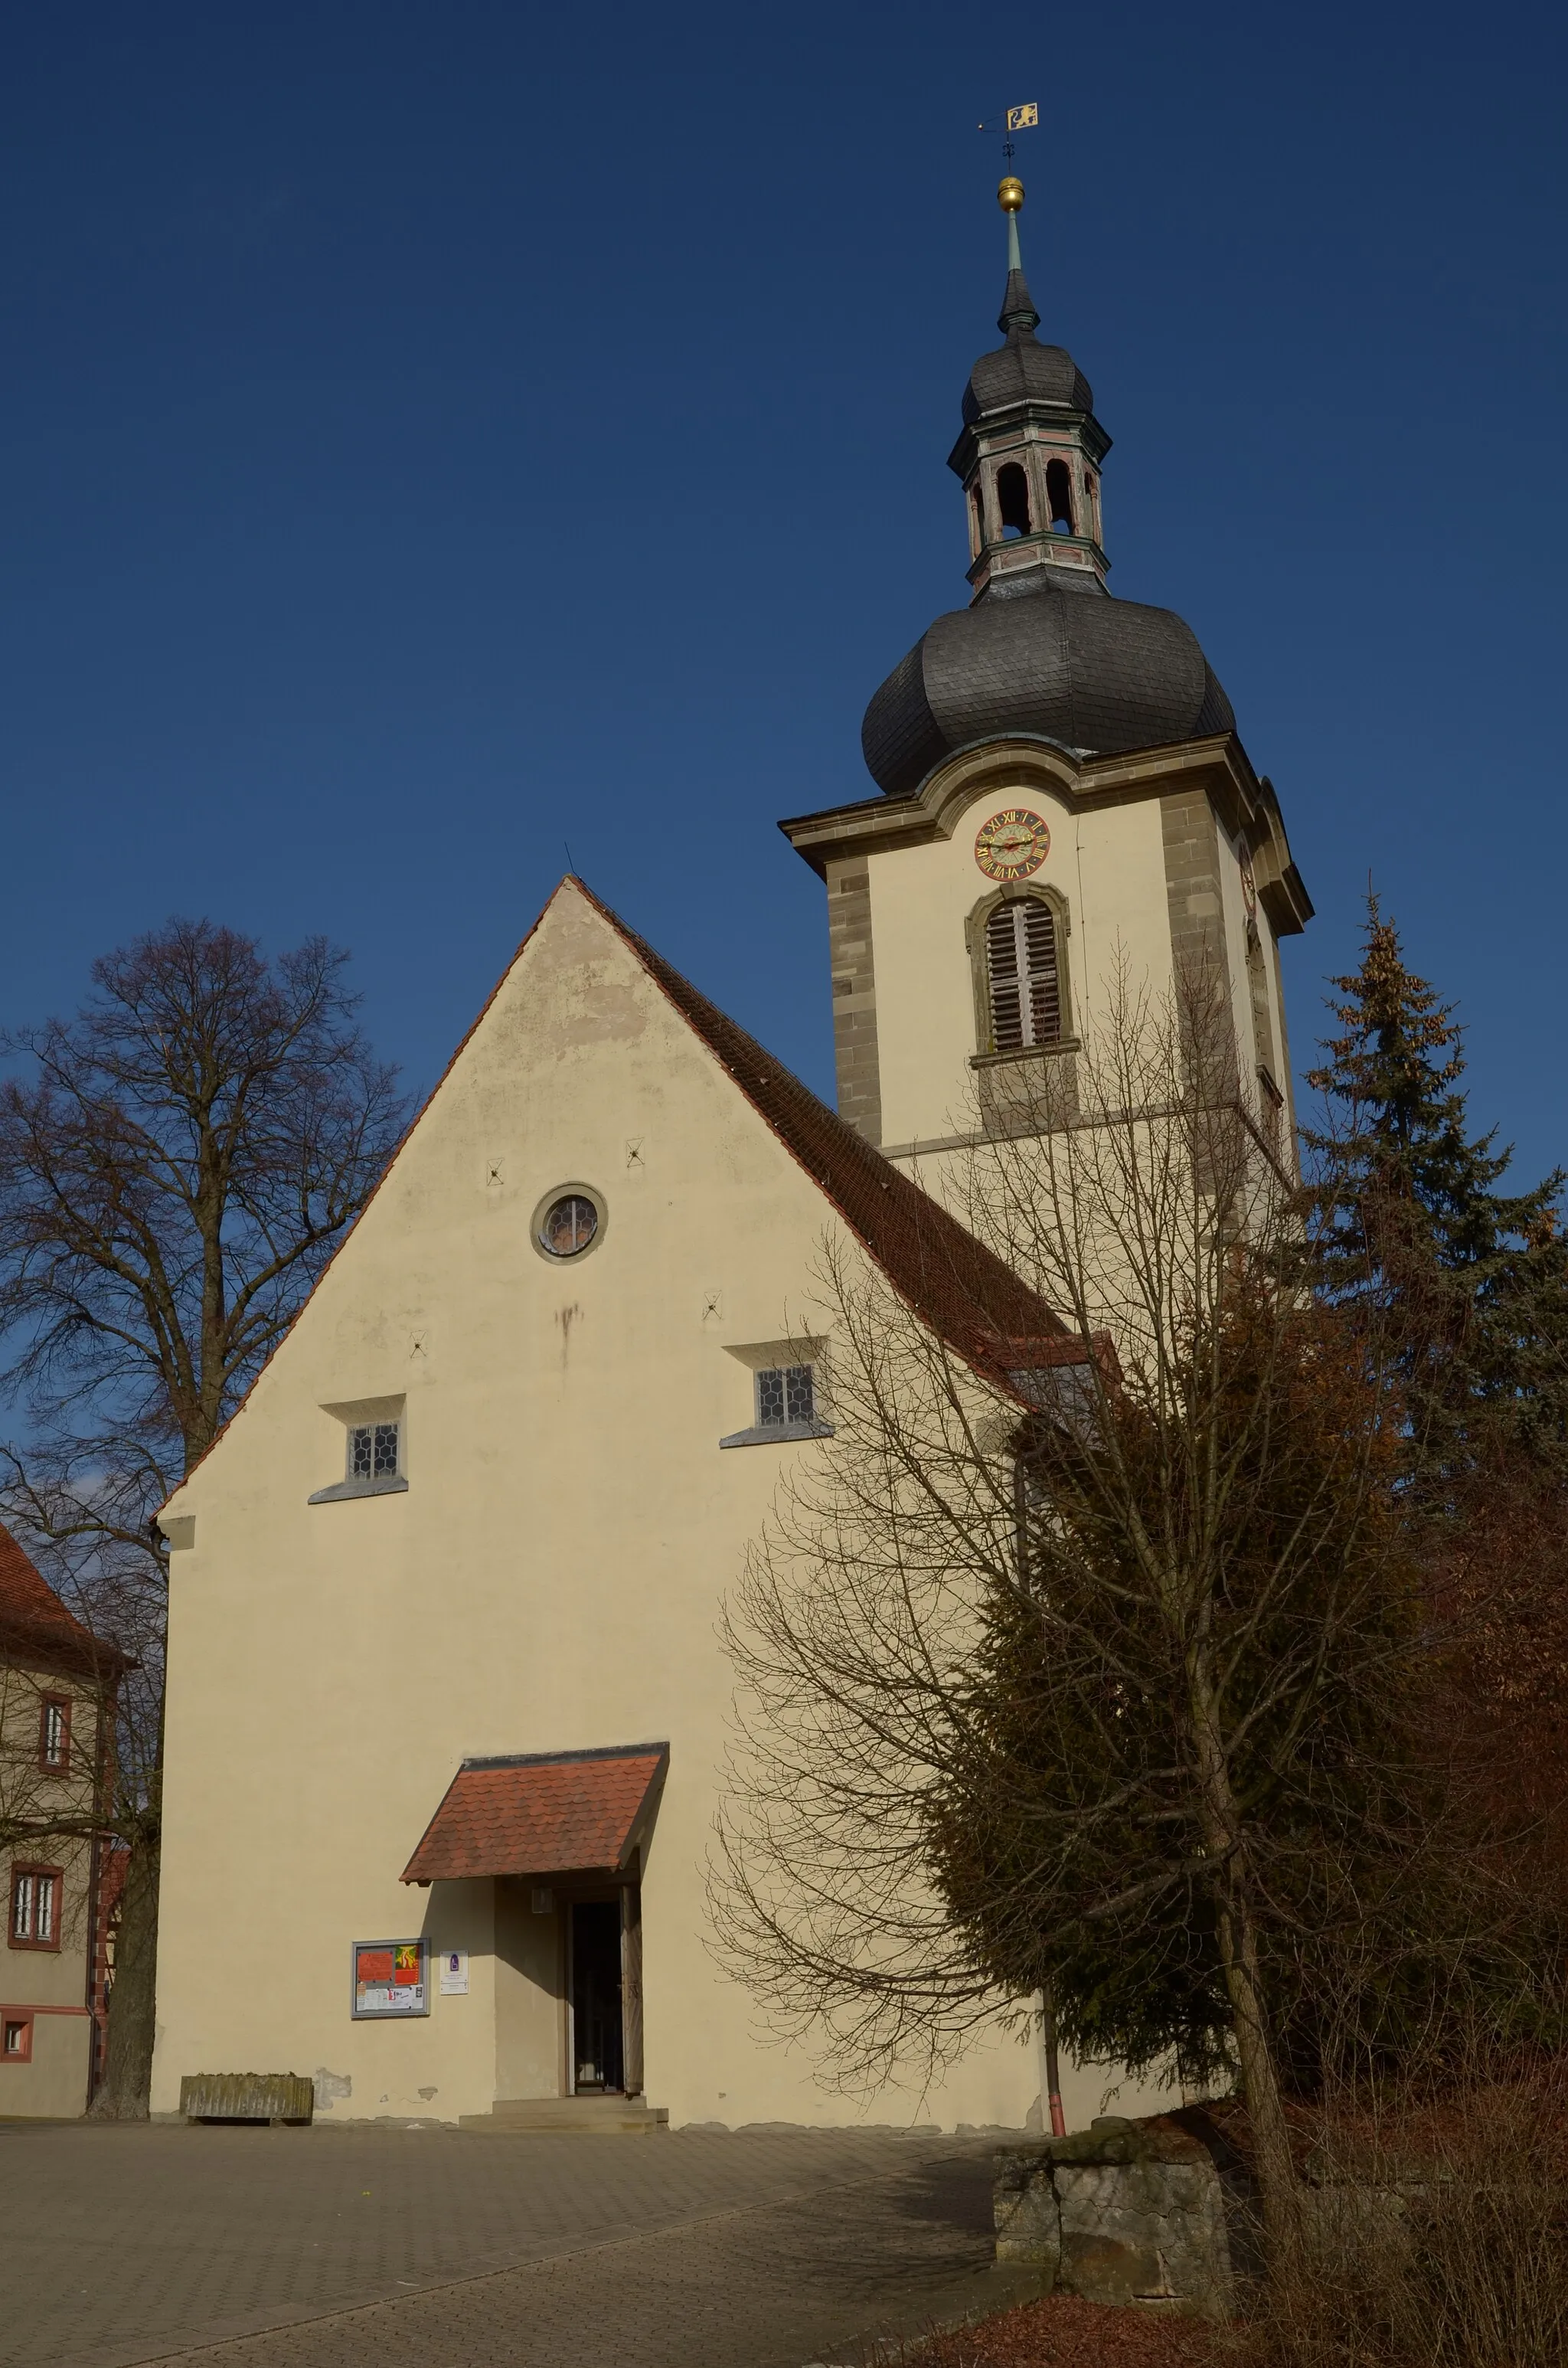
{"type": "Point", "coordinates": [1007, 987]}
{"type": "Point", "coordinates": [1026, 991]}
{"type": "Point", "coordinates": [1045, 991]}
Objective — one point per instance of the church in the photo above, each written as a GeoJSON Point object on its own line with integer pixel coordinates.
{"type": "Point", "coordinates": [441, 1777]}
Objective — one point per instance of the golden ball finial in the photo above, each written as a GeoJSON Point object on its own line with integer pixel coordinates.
{"type": "Point", "coordinates": [1010, 195]}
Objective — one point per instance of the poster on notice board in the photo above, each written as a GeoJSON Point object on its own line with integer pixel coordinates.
{"type": "Point", "coordinates": [391, 1977]}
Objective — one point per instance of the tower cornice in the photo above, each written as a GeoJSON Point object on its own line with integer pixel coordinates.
{"type": "Point", "coordinates": [1009, 424]}
{"type": "Point", "coordinates": [1246, 802]}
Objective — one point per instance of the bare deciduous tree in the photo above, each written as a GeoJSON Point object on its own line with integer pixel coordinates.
{"type": "Point", "coordinates": [176, 1164]}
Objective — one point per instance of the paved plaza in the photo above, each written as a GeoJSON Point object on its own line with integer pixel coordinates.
{"type": "Point", "coordinates": [326, 2247]}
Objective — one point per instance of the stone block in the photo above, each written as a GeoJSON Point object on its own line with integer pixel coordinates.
{"type": "Point", "coordinates": [1146, 2232]}
{"type": "Point", "coordinates": [1028, 2221]}
{"type": "Point", "coordinates": [246, 2097]}
{"type": "Point", "coordinates": [1155, 2213]}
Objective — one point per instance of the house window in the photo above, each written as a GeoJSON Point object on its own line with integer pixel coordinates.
{"type": "Point", "coordinates": [15, 2037]}
{"type": "Point", "coordinates": [1023, 982]}
{"type": "Point", "coordinates": [785, 1395]}
{"type": "Point", "coordinates": [372, 1450]}
{"type": "Point", "coordinates": [54, 1735]}
{"type": "Point", "coordinates": [34, 1906]}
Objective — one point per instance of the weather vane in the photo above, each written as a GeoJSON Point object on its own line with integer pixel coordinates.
{"type": "Point", "coordinates": [1015, 119]}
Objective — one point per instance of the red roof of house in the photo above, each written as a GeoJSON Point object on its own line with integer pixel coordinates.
{"type": "Point", "coordinates": [541, 1812]}
{"type": "Point", "coordinates": [36, 1628]}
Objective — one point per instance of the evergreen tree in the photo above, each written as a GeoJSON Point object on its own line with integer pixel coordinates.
{"type": "Point", "coordinates": [1468, 1282]}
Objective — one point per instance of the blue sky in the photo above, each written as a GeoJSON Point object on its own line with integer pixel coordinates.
{"type": "Point", "coordinates": [431, 435]}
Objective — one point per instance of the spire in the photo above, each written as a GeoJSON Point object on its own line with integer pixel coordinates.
{"type": "Point", "coordinates": [1018, 317]}
{"type": "Point", "coordinates": [1030, 451]}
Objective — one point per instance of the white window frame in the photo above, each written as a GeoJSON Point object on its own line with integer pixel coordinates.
{"type": "Point", "coordinates": [36, 1895]}
{"type": "Point", "coordinates": [54, 1735]}
{"type": "Point", "coordinates": [374, 1435]}
{"type": "Point", "coordinates": [781, 1365]}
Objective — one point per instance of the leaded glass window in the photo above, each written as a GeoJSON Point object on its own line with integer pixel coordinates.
{"type": "Point", "coordinates": [785, 1395]}
{"type": "Point", "coordinates": [569, 1225]}
{"type": "Point", "coordinates": [372, 1450]}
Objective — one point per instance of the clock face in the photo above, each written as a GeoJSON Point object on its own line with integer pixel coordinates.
{"type": "Point", "coordinates": [1012, 844]}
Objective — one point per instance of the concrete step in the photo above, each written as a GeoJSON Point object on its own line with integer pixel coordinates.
{"type": "Point", "coordinates": [574, 2116]}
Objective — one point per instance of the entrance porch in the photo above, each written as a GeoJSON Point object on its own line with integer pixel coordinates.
{"type": "Point", "coordinates": [563, 1837]}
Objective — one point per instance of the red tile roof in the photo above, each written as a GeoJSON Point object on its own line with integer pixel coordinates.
{"type": "Point", "coordinates": [37, 1630]}
{"type": "Point", "coordinates": [963, 1290]}
{"type": "Point", "coordinates": [541, 1812]}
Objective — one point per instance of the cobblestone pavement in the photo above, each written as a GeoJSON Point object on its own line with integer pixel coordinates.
{"type": "Point", "coordinates": [331, 2247]}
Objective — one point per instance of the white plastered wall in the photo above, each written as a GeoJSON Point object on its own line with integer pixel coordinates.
{"type": "Point", "coordinates": [550, 1580]}
{"type": "Point", "coordinates": [1105, 862]}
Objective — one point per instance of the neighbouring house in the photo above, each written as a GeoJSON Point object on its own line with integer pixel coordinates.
{"type": "Point", "coordinates": [447, 1705]}
{"type": "Point", "coordinates": [57, 1692]}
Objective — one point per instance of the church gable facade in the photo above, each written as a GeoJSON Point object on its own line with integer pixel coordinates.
{"type": "Point", "coordinates": [446, 1702]}
{"type": "Point", "coordinates": [448, 1708]}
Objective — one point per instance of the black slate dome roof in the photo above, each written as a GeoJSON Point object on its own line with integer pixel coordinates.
{"type": "Point", "coordinates": [1080, 668]}
{"type": "Point", "coordinates": [1023, 370]}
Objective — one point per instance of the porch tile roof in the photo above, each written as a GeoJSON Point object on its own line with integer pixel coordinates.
{"type": "Point", "coordinates": [541, 1812]}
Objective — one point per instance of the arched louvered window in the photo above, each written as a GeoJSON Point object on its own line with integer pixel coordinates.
{"type": "Point", "coordinates": [1022, 977]}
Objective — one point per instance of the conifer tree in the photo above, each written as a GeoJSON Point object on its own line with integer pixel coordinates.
{"type": "Point", "coordinates": [1469, 1284]}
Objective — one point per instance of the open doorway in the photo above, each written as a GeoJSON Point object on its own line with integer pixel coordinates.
{"type": "Point", "coordinates": [598, 2049]}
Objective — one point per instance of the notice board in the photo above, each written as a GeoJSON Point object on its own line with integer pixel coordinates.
{"type": "Point", "coordinates": [391, 1977]}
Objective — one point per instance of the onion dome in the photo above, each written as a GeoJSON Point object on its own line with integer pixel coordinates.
{"type": "Point", "coordinates": [1092, 674]}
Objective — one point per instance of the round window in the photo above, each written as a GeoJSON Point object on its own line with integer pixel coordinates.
{"type": "Point", "coordinates": [568, 1225]}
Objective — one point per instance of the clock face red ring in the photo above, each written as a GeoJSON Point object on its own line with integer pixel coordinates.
{"type": "Point", "coordinates": [1012, 844]}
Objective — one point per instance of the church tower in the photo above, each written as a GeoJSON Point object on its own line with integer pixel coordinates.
{"type": "Point", "coordinates": [1061, 786]}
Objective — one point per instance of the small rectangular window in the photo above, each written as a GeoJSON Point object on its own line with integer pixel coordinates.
{"type": "Point", "coordinates": [372, 1450]}
{"type": "Point", "coordinates": [15, 2038]}
{"type": "Point", "coordinates": [34, 1906]}
{"type": "Point", "coordinates": [54, 1735]}
{"type": "Point", "coordinates": [785, 1395]}
{"type": "Point", "coordinates": [786, 1400]}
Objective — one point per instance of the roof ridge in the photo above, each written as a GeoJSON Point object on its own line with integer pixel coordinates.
{"type": "Point", "coordinates": [949, 1277]}
{"type": "Point", "coordinates": [415, 1120]}
{"type": "Point", "coordinates": [563, 1758]}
